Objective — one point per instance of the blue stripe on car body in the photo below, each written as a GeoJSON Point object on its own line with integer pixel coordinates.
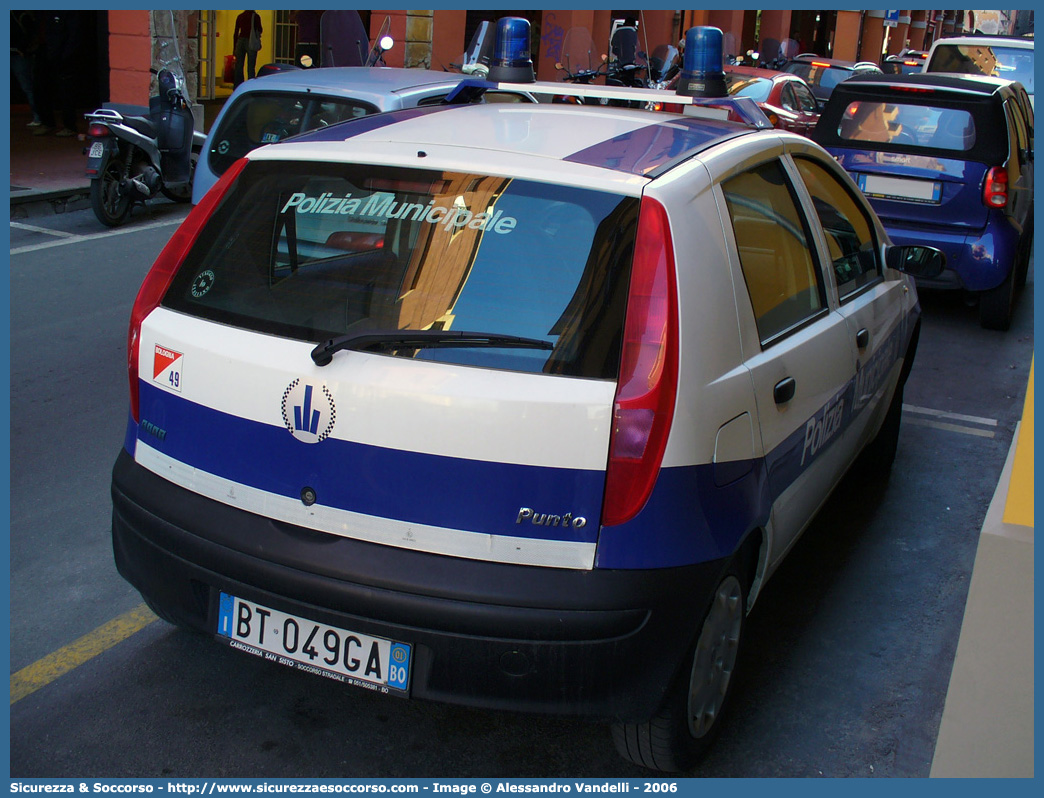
{"type": "Point", "coordinates": [485, 497]}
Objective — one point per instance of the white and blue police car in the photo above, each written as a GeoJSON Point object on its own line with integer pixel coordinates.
{"type": "Point", "coordinates": [512, 406]}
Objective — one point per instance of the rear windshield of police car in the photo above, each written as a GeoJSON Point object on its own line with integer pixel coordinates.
{"type": "Point", "coordinates": [315, 251]}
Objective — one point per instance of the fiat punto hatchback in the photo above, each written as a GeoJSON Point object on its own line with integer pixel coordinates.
{"type": "Point", "coordinates": [518, 419]}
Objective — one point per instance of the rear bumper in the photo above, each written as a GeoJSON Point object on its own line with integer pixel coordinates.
{"type": "Point", "coordinates": [974, 261]}
{"type": "Point", "coordinates": [604, 644]}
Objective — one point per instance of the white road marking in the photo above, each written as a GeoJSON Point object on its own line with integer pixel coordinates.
{"type": "Point", "coordinates": [927, 411]}
{"type": "Point", "coordinates": [76, 239]}
{"type": "Point", "coordinates": [923, 422]}
{"type": "Point", "coordinates": [32, 228]}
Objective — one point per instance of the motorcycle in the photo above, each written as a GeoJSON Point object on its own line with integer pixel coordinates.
{"type": "Point", "coordinates": [133, 157]}
{"type": "Point", "coordinates": [785, 52]}
{"type": "Point", "coordinates": [581, 65]}
{"type": "Point", "coordinates": [664, 66]}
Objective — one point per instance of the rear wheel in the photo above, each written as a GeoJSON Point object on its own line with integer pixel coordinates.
{"type": "Point", "coordinates": [997, 304]}
{"type": "Point", "coordinates": [166, 617]}
{"type": "Point", "coordinates": [683, 730]}
{"type": "Point", "coordinates": [110, 204]}
{"type": "Point", "coordinates": [877, 458]}
{"type": "Point", "coordinates": [1026, 252]}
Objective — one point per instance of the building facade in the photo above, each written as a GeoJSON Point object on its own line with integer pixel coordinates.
{"type": "Point", "coordinates": [437, 39]}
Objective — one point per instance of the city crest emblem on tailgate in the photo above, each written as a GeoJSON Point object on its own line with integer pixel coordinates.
{"type": "Point", "coordinates": [308, 412]}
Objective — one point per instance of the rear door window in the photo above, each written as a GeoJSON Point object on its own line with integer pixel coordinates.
{"type": "Point", "coordinates": [849, 233]}
{"type": "Point", "coordinates": [775, 251]}
{"type": "Point", "coordinates": [316, 251]}
{"type": "Point", "coordinates": [260, 118]}
{"type": "Point", "coordinates": [805, 99]}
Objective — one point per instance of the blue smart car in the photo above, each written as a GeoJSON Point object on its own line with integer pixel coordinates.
{"type": "Point", "coordinates": [947, 161]}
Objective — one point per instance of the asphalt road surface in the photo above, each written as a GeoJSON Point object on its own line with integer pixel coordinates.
{"type": "Point", "coordinates": [848, 651]}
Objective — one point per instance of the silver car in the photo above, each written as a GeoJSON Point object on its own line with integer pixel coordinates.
{"type": "Point", "coordinates": [274, 107]}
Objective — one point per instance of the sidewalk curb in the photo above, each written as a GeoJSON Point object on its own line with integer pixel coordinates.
{"type": "Point", "coordinates": [30, 204]}
{"type": "Point", "coordinates": [986, 728]}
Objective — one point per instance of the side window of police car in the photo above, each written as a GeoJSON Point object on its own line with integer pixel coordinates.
{"type": "Point", "coordinates": [775, 254]}
{"type": "Point", "coordinates": [849, 233]}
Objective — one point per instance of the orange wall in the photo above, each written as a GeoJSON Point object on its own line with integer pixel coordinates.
{"type": "Point", "coordinates": [130, 57]}
{"type": "Point", "coordinates": [846, 35]}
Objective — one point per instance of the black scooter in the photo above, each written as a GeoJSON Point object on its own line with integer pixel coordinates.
{"type": "Point", "coordinates": [132, 158]}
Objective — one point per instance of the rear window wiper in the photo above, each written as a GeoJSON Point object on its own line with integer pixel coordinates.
{"type": "Point", "coordinates": [419, 339]}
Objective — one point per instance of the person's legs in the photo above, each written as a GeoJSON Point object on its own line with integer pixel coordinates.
{"type": "Point", "coordinates": [251, 63]}
{"type": "Point", "coordinates": [22, 66]}
{"type": "Point", "coordinates": [240, 52]}
{"type": "Point", "coordinates": [43, 94]}
{"type": "Point", "coordinates": [67, 82]}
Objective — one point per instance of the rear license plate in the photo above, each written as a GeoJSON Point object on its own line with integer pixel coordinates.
{"type": "Point", "coordinates": [97, 150]}
{"type": "Point", "coordinates": [900, 188]}
{"type": "Point", "coordinates": [358, 659]}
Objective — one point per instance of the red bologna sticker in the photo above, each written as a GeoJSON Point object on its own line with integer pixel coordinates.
{"type": "Point", "coordinates": [166, 368]}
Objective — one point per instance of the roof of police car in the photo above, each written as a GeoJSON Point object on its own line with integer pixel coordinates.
{"type": "Point", "coordinates": [633, 142]}
{"type": "Point", "coordinates": [358, 82]}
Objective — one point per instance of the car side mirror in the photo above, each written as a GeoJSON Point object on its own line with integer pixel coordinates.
{"type": "Point", "coordinates": [917, 261]}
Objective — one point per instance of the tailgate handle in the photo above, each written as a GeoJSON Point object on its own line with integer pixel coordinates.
{"type": "Point", "coordinates": [784, 391]}
{"type": "Point", "coordinates": [863, 338]}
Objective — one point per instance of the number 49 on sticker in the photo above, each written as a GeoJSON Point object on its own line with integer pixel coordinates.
{"type": "Point", "coordinates": [166, 368]}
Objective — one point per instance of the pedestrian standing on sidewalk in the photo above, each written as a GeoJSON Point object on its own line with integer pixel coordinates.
{"type": "Point", "coordinates": [247, 38]}
{"type": "Point", "coordinates": [25, 44]}
{"type": "Point", "coordinates": [57, 71]}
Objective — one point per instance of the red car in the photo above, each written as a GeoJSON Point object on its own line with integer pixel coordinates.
{"type": "Point", "coordinates": [786, 99]}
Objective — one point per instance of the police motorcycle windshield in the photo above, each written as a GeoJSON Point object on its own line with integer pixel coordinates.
{"type": "Point", "coordinates": [168, 60]}
{"type": "Point", "coordinates": [169, 106]}
{"type": "Point", "coordinates": [343, 39]}
{"type": "Point", "coordinates": [664, 63]}
{"type": "Point", "coordinates": [578, 52]}
{"type": "Point", "coordinates": [476, 59]}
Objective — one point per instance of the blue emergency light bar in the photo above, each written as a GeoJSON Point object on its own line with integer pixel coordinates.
{"type": "Point", "coordinates": [705, 94]}
{"type": "Point", "coordinates": [511, 55]}
{"type": "Point", "coordinates": [703, 73]}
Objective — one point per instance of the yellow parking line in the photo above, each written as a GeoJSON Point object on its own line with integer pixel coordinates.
{"type": "Point", "coordinates": [44, 671]}
{"type": "Point", "coordinates": [1018, 509]}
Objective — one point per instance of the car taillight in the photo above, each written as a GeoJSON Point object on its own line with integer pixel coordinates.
{"type": "Point", "coordinates": [158, 280]}
{"type": "Point", "coordinates": [644, 405]}
{"type": "Point", "coordinates": [995, 189]}
{"type": "Point", "coordinates": [96, 130]}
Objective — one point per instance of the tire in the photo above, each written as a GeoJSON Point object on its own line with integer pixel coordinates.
{"type": "Point", "coordinates": [166, 617]}
{"type": "Point", "coordinates": [875, 461]}
{"type": "Point", "coordinates": [1026, 254]}
{"type": "Point", "coordinates": [687, 724]}
{"type": "Point", "coordinates": [110, 206]}
{"type": "Point", "coordinates": [997, 304]}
